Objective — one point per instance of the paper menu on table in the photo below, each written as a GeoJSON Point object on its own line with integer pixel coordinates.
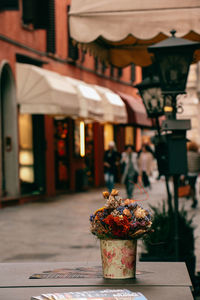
{"type": "Point", "coordinates": [106, 294]}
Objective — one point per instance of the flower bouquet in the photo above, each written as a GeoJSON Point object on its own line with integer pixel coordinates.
{"type": "Point", "coordinates": [118, 225]}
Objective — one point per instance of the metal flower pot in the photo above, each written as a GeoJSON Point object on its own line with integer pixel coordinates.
{"type": "Point", "coordinates": [118, 258]}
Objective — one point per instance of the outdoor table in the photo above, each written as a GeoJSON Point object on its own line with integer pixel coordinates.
{"type": "Point", "coordinates": [156, 280]}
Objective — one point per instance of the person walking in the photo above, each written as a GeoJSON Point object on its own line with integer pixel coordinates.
{"type": "Point", "coordinates": [130, 169]}
{"type": "Point", "coordinates": [111, 161]}
{"type": "Point", "coordinates": [145, 165]}
{"type": "Point", "coordinates": [193, 158]}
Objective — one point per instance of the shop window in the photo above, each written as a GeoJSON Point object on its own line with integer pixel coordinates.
{"type": "Point", "coordinates": [9, 4]}
{"type": "Point", "coordinates": [26, 160]}
{"type": "Point", "coordinates": [31, 154]}
{"type": "Point", "coordinates": [62, 152]}
{"type": "Point", "coordinates": [129, 135]}
{"type": "Point", "coordinates": [108, 134]}
{"type": "Point", "coordinates": [147, 134]}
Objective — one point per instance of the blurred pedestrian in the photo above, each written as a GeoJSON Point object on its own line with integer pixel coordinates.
{"type": "Point", "coordinates": [145, 165]}
{"type": "Point", "coordinates": [193, 158]}
{"type": "Point", "coordinates": [130, 169]}
{"type": "Point", "coordinates": [111, 161]}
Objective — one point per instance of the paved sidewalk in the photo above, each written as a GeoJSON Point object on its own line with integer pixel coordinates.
{"type": "Point", "coordinates": [57, 229]}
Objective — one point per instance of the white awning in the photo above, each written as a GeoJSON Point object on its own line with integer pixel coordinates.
{"type": "Point", "coordinates": [90, 99]}
{"type": "Point", "coordinates": [121, 30]}
{"type": "Point", "coordinates": [40, 91]}
{"type": "Point", "coordinates": [114, 107]}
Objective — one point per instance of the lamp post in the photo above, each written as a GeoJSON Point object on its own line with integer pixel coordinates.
{"type": "Point", "coordinates": [173, 57]}
{"type": "Point", "coordinates": [152, 98]}
{"type": "Point", "coordinates": [151, 94]}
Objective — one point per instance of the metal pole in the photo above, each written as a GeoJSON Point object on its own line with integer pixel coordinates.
{"type": "Point", "coordinates": [176, 221]}
{"type": "Point", "coordinates": [176, 182]}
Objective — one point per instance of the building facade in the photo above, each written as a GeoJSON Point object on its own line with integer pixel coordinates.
{"type": "Point", "coordinates": [41, 147]}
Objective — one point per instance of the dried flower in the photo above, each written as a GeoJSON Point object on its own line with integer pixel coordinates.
{"type": "Point", "coordinates": [120, 219]}
{"type": "Point", "coordinates": [106, 194]}
{"type": "Point", "coordinates": [114, 192]}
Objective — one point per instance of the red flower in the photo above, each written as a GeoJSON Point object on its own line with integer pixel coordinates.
{"type": "Point", "coordinates": [119, 226]}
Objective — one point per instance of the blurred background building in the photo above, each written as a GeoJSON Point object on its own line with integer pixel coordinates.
{"type": "Point", "coordinates": [60, 107]}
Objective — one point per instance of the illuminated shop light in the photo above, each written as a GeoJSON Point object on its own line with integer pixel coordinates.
{"type": "Point", "coordinates": [26, 174]}
{"type": "Point", "coordinates": [82, 139]}
{"type": "Point", "coordinates": [26, 157]}
{"type": "Point", "coordinates": [168, 108]}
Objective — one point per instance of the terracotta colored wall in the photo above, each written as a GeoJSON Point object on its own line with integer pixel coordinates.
{"type": "Point", "coordinates": [11, 27]}
{"type": "Point", "coordinates": [36, 39]}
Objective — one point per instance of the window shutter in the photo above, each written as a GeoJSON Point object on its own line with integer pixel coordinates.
{"type": "Point", "coordinates": [51, 43]}
{"type": "Point", "coordinates": [9, 5]}
{"type": "Point", "coordinates": [28, 11]}
{"type": "Point", "coordinates": [132, 72]}
{"type": "Point", "coordinates": [40, 14]}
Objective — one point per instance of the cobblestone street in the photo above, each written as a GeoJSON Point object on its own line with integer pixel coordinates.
{"type": "Point", "coordinates": [57, 229]}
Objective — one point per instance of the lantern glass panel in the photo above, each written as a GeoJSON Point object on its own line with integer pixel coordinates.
{"type": "Point", "coordinates": [153, 101]}
{"type": "Point", "coordinates": [173, 70]}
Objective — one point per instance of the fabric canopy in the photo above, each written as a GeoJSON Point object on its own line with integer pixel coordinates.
{"type": "Point", "coordinates": [120, 31]}
{"type": "Point", "coordinates": [114, 107]}
{"type": "Point", "coordinates": [136, 111]}
{"type": "Point", "coordinates": [40, 91]}
{"type": "Point", "coordinates": [90, 100]}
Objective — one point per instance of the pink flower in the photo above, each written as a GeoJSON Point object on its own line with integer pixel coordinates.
{"type": "Point", "coordinates": [128, 257]}
{"type": "Point", "coordinates": [109, 255]}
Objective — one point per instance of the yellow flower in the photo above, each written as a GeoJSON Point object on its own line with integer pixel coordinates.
{"type": "Point", "coordinates": [140, 213]}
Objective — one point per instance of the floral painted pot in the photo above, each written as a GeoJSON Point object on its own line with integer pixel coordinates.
{"type": "Point", "coordinates": [118, 258]}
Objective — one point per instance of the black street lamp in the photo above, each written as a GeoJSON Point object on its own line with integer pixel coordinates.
{"type": "Point", "coordinates": [172, 58]}
{"type": "Point", "coordinates": [151, 95]}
